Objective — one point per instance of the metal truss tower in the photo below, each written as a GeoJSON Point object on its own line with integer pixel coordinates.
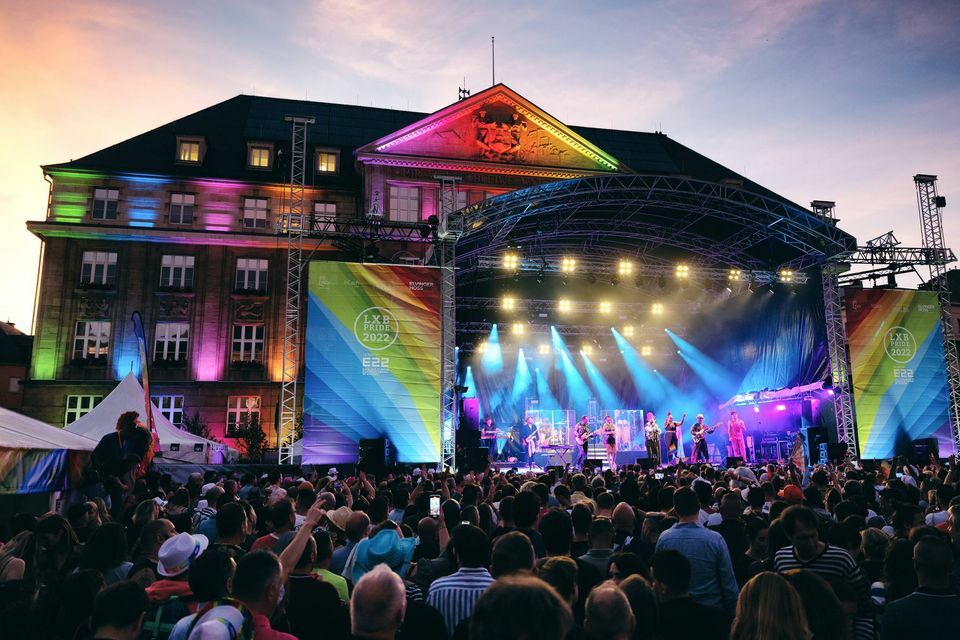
{"type": "Point", "coordinates": [291, 311]}
{"type": "Point", "coordinates": [837, 338]}
{"type": "Point", "coordinates": [449, 230]}
{"type": "Point", "coordinates": [931, 224]}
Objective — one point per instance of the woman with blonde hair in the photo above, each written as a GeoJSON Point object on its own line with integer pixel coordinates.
{"type": "Point", "coordinates": [769, 608]}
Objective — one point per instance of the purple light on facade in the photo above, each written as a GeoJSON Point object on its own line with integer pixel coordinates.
{"type": "Point", "coordinates": [781, 407]}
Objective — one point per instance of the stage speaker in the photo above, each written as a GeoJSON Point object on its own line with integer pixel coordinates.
{"type": "Point", "coordinates": [477, 458]}
{"type": "Point", "coordinates": [816, 436]}
{"type": "Point", "coordinates": [835, 452]}
{"type": "Point", "coordinates": [806, 413]}
{"type": "Point", "coordinates": [920, 450]}
{"type": "Point", "coordinates": [471, 412]}
{"type": "Point", "coordinates": [734, 461]}
{"type": "Point", "coordinates": [375, 456]}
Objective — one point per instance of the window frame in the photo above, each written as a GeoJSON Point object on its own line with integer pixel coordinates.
{"type": "Point", "coordinates": [167, 405]}
{"type": "Point", "coordinates": [175, 340]}
{"type": "Point", "coordinates": [77, 410]}
{"type": "Point", "coordinates": [255, 219]}
{"type": "Point", "coordinates": [107, 196]}
{"type": "Point", "coordinates": [201, 149]}
{"type": "Point", "coordinates": [393, 202]}
{"type": "Point", "coordinates": [182, 205]}
{"type": "Point", "coordinates": [100, 342]}
{"type": "Point", "coordinates": [321, 151]}
{"type": "Point", "coordinates": [247, 349]}
{"type": "Point", "coordinates": [187, 268]}
{"type": "Point", "coordinates": [104, 259]}
{"type": "Point", "coordinates": [261, 270]}
{"type": "Point", "coordinates": [237, 407]}
{"type": "Point", "coordinates": [260, 146]}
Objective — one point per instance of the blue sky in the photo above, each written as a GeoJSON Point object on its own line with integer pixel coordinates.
{"type": "Point", "coordinates": [813, 99]}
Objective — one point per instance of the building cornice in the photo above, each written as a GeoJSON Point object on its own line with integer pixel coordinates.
{"type": "Point", "coordinates": [452, 164]}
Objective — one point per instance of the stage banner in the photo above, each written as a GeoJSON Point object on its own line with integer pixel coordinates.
{"type": "Point", "coordinates": [372, 361]}
{"type": "Point", "coordinates": [899, 376]}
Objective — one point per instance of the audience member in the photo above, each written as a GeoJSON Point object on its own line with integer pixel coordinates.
{"type": "Point", "coordinates": [769, 608]}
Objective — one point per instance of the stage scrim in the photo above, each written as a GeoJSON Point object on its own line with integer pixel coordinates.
{"type": "Point", "coordinates": [372, 361]}
{"type": "Point", "coordinates": [899, 377]}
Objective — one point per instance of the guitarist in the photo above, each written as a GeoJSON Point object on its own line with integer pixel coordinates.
{"type": "Point", "coordinates": [700, 431]}
{"type": "Point", "coordinates": [582, 436]}
{"type": "Point", "coordinates": [652, 432]}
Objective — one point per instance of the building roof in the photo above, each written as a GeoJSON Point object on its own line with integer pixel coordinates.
{"type": "Point", "coordinates": [229, 125]}
{"type": "Point", "coordinates": [15, 345]}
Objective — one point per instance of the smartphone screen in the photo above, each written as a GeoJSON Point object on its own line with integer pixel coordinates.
{"type": "Point", "coordinates": [434, 506]}
{"type": "Point", "coordinates": [658, 476]}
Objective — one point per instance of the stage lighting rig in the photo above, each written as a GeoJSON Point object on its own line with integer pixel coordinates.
{"type": "Point", "coordinates": [544, 349]}
{"type": "Point", "coordinates": [628, 331]}
{"type": "Point", "coordinates": [656, 309]}
{"type": "Point", "coordinates": [604, 306]}
{"type": "Point", "coordinates": [646, 350]}
{"type": "Point", "coordinates": [682, 271]}
{"type": "Point", "coordinates": [564, 305]}
{"type": "Point", "coordinates": [568, 265]}
{"type": "Point", "coordinates": [586, 349]}
{"type": "Point", "coordinates": [518, 329]}
{"type": "Point", "coordinates": [624, 268]}
{"type": "Point", "coordinates": [734, 275]}
{"type": "Point", "coordinates": [511, 261]}
{"type": "Point", "coordinates": [482, 347]}
{"type": "Point", "coordinates": [785, 275]}
{"type": "Point", "coordinates": [508, 303]}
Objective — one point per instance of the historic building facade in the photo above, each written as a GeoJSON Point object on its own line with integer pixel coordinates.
{"type": "Point", "coordinates": [180, 223]}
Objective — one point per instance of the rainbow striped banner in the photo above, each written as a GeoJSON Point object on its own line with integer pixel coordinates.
{"type": "Point", "coordinates": [899, 375]}
{"type": "Point", "coordinates": [372, 361]}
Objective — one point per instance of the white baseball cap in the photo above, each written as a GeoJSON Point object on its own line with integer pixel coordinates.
{"type": "Point", "coordinates": [178, 553]}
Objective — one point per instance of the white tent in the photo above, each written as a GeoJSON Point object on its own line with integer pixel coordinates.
{"type": "Point", "coordinates": [175, 444]}
{"type": "Point", "coordinates": [17, 431]}
{"type": "Point", "coordinates": [36, 457]}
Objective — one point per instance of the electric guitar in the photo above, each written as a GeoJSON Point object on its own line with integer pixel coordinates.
{"type": "Point", "coordinates": [583, 437]}
{"type": "Point", "coordinates": [699, 436]}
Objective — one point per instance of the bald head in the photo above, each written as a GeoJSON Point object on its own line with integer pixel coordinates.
{"type": "Point", "coordinates": [608, 613]}
{"type": "Point", "coordinates": [328, 500]}
{"type": "Point", "coordinates": [357, 525]}
{"type": "Point", "coordinates": [428, 529]}
{"type": "Point", "coordinates": [623, 518]}
{"type": "Point", "coordinates": [378, 604]}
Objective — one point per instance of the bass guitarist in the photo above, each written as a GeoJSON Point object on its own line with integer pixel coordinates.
{"type": "Point", "coordinates": [582, 437]}
{"type": "Point", "coordinates": [700, 431]}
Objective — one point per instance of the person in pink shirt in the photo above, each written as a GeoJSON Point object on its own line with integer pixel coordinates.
{"type": "Point", "coordinates": [736, 430]}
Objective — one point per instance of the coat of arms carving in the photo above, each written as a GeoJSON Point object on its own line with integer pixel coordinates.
{"type": "Point", "coordinates": [499, 138]}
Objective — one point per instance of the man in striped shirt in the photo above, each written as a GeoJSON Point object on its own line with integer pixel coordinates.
{"type": "Point", "coordinates": [829, 562]}
{"type": "Point", "coordinates": [455, 595]}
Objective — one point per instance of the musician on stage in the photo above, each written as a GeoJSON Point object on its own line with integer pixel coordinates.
{"type": "Point", "coordinates": [582, 437]}
{"type": "Point", "coordinates": [531, 438]}
{"type": "Point", "coordinates": [652, 432]}
{"type": "Point", "coordinates": [736, 430]}
{"type": "Point", "coordinates": [699, 431]}
{"type": "Point", "coordinates": [672, 430]}
{"type": "Point", "coordinates": [488, 433]}
{"type": "Point", "coordinates": [609, 430]}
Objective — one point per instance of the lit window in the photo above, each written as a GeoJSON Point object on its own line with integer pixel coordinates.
{"type": "Point", "coordinates": [255, 213]}
{"type": "Point", "coordinates": [99, 269]}
{"type": "Point", "coordinates": [325, 208]}
{"type": "Point", "coordinates": [259, 156]}
{"type": "Point", "coordinates": [404, 204]}
{"type": "Point", "coordinates": [247, 343]}
{"type": "Point", "coordinates": [188, 150]}
{"type": "Point", "coordinates": [91, 340]}
{"type": "Point", "coordinates": [181, 208]}
{"type": "Point", "coordinates": [170, 341]}
{"type": "Point", "coordinates": [104, 204]}
{"type": "Point", "coordinates": [327, 161]}
{"type": "Point", "coordinates": [171, 407]}
{"type": "Point", "coordinates": [79, 406]}
{"type": "Point", "coordinates": [176, 272]}
{"type": "Point", "coordinates": [252, 274]}
{"type": "Point", "coordinates": [240, 411]}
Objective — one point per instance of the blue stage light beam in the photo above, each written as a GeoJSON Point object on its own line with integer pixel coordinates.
{"type": "Point", "coordinates": [522, 380]}
{"type": "Point", "coordinates": [716, 378]}
{"type": "Point", "coordinates": [607, 396]}
{"type": "Point", "coordinates": [492, 359]}
{"type": "Point", "coordinates": [547, 400]}
{"type": "Point", "coordinates": [470, 383]}
{"type": "Point", "coordinates": [649, 387]}
{"type": "Point", "coordinates": [577, 388]}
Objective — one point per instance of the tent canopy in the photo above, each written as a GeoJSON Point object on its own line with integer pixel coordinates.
{"type": "Point", "coordinates": [17, 431]}
{"type": "Point", "coordinates": [175, 444]}
{"type": "Point", "coordinates": [36, 457]}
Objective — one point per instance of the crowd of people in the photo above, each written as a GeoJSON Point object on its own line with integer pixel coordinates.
{"type": "Point", "coordinates": [764, 553]}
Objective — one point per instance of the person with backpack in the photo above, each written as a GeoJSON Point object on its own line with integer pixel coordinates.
{"type": "Point", "coordinates": [171, 597]}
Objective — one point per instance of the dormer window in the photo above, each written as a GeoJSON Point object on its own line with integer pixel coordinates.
{"type": "Point", "coordinates": [190, 149]}
{"type": "Point", "coordinates": [328, 161]}
{"type": "Point", "coordinates": [259, 155]}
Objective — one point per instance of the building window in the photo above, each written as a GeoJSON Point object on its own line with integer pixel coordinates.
{"type": "Point", "coordinates": [240, 411]}
{"type": "Point", "coordinates": [255, 213]}
{"type": "Point", "coordinates": [176, 272]}
{"type": "Point", "coordinates": [404, 204]}
{"type": "Point", "coordinates": [99, 269]}
{"type": "Point", "coordinates": [170, 342]}
{"type": "Point", "coordinates": [188, 150]}
{"type": "Point", "coordinates": [259, 156]}
{"type": "Point", "coordinates": [328, 161]}
{"type": "Point", "coordinates": [171, 407]}
{"type": "Point", "coordinates": [91, 340]}
{"type": "Point", "coordinates": [181, 208]}
{"type": "Point", "coordinates": [252, 274]}
{"type": "Point", "coordinates": [105, 204]}
{"type": "Point", "coordinates": [325, 208]}
{"type": "Point", "coordinates": [247, 343]}
{"type": "Point", "coordinates": [79, 406]}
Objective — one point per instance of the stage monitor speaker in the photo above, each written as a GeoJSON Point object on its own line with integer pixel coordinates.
{"type": "Point", "coordinates": [816, 436]}
{"type": "Point", "coordinates": [646, 463]}
{"type": "Point", "coordinates": [806, 413]}
{"type": "Point", "coordinates": [920, 450]}
{"type": "Point", "coordinates": [477, 459]}
{"type": "Point", "coordinates": [471, 412]}
{"type": "Point", "coordinates": [835, 452]}
{"type": "Point", "coordinates": [375, 456]}
{"type": "Point", "coordinates": [734, 461]}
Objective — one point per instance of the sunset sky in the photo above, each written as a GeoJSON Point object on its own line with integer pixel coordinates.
{"type": "Point", "coordinates": [813, 99]}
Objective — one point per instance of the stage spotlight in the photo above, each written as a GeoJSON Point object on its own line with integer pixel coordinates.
{"type": "Point", "coordinates": [564, 305]}
{"type": "Point", "coordinates": [544, 349]}
{"type": "Point", "coordinates": [604, 306]}
{"type": "Point", "coordinates": [656, 309]}
{"type": "Point", "coordinates": [482, 347]}
{"type": "Point", "coordinates": [756, 408]}
{"type": "Point", "coordinates": [646, 350]}
{"type": "Point", "coordinates": [508, 303]}
{"type": "Point", "coordinates": [785, 275]}
{"type": "Point", "coordinates": [781, 407]}
{"type": "Point", "coordinates": [511, 261]}
{"type": "Point", "coordinates": [628, 331]}
{"type": "Point", "coordinates": [568, 264]}
{"type": "Point", "coordinates": [682, 271]}
{"type": "Point", "coordinates": [625, 268]}
{"type": "Point", "coordinates": [734, 275]}
{"type": "Point", "coordinates": [518, 329]}
{"type": "Point", "coordinates": [586, 349]}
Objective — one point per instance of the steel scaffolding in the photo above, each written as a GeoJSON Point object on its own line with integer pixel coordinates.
{"type": "Point", "coordinates": [449, 230]}
{"type": "Point", "coordinates": [931, 224]}
{"type": "Point", "coordinates": [291, 310]}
